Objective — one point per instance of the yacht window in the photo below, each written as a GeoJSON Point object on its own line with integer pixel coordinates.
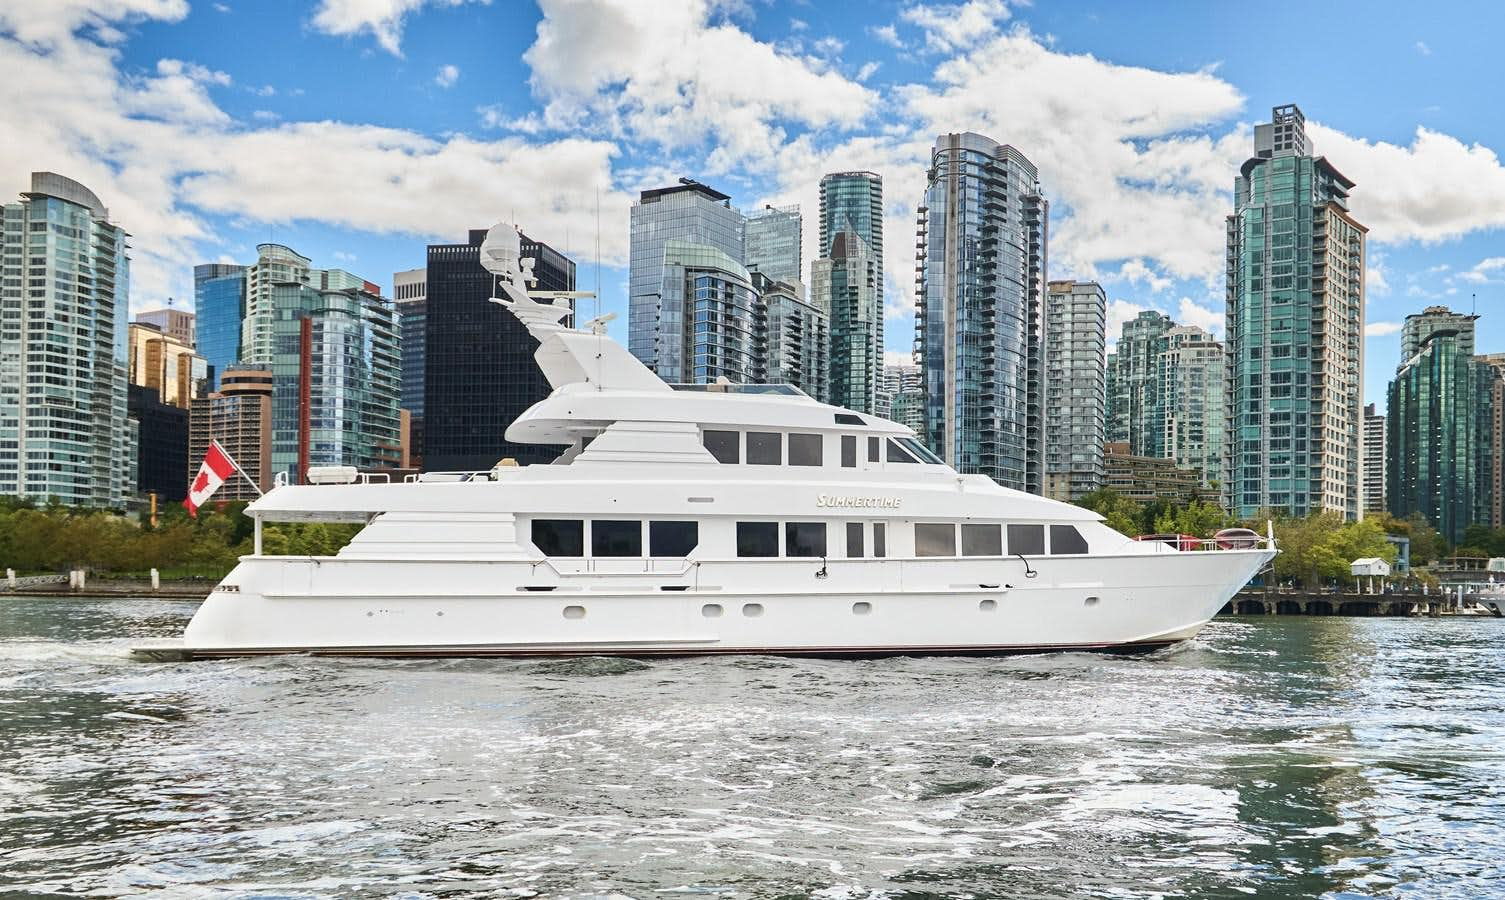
{"type": "Point", "coordinates": [1026, 540]}
{"type": "Point", "coordinates": [880, 539]}
{"type": "Point", "coordinates": [934, 539]}
{"type": "Point", "coordinates": [1065, 539]}
{"type": "Point", "coordinates": [805, 450]}
{"type": "Point", "coordinates": [982, 540]}
{"type": "Point", "coordinates": [764, 448]}
{"type": "Point", "coordinates": [849, 451]}
{"type": "Point", "coordinates": [849, 419]}
{"type": "Point", "coordinates": [722, 444]}
{"type": "Point", "coordinates": [897, 454]}
{"type": "Point", "coordinates": [616, 537]}
{"type": "Point", "coordinates": [559, 537]}
{"type": "Point", "coordinates": [804, 538]}
{"type": "Point", "coordinates": [873, 445]}
{"type": "Point", "coordinates": [921, 451]}
{"type": "Point", "coordinates": [673, 538]}
{"type": "Point", "coordinates": [854, 540]}
{"type": "Point", "coordinates": [757, 539]}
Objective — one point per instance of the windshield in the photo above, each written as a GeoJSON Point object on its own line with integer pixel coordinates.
{"type": "Point", "coordinates": [920, 451]}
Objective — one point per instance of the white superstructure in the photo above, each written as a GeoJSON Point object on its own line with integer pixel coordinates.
{"type": "Point", "coordinates": [702, 519]}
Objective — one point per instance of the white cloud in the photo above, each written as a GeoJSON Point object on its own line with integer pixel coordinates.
{"type": "Point", "coordinates": [1381, 329]}
{"type": "Point", "coordinates": [1485, 271]}
{"type": "Point", "coordinates": [959, 26]}
{"type": "Point", "coordinates": [1423, 49]}
{"type": "Point", "coordinates": [887, 34]}
{"type": "Point", "coordinates": [1435, 189]}
{"type": "Point", "coordinates": [1192, 313]}
{"type": "Point", "coordinates": [798, 25]}
{"type": "Point", "coordinates": [448, 75]}
{"type": "Point", "coordinates": [222, 7]}
{"type": "Point", "coordinates": [1375, 282]}
{"type": "Point", "coordinates": [1136, 271]}
{"type": "Point", "coordinates": [868, 70]}
{"type": "Point", "coordinates": [897, 358]}
{"type": "Point", "coordinates": [1120, 312]}
{"type": "Point", "coordinates": [676, 80]}
{"type": "Point", "coordinates": [162, 156]}
{"type": "Point", "coordinates": [265, 90]}
{"type": "Point", "coordinates": [383, 19]}
{"type": "Point", "coordinates": [54, 21]}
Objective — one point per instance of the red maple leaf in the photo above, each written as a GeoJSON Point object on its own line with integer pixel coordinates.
{"type": "Point", "coordinates": [200, 483]}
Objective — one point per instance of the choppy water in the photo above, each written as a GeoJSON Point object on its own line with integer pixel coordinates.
{"type": "Point", "coordinates": [1278, 758]}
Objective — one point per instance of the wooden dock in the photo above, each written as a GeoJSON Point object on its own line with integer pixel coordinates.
{"type": "Point", "coordinates": [1255, 602]}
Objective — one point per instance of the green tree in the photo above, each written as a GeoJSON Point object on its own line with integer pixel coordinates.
{"type": "Point", "coordinates": [1119, 512]}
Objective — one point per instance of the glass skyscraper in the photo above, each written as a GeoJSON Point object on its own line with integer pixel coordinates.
{"type": "Point", "coordinates": [845, 286]}
{"type": "Point", "coordinates": [479, 371]}
{"type": "Point", "coordinates": [1134, 413]}
{"type": "Point", "coordinates": [659, 326]}
{"type": "Point", "coordinates": [901, 397]}
{"type": "Point", "coordinates": [1295, 313]}
{"type": "Point", "coordinates": [1192, 395]}
{"type": "Point", "coordinates": [1075, 336]}
{"type": "Point", "coordinates": [978, 309]}
{"type": "Point", "coordinates": [773, 244]}
{"type": "Point", "coordinates": [1439, 433]}
{"type": "Point", "coordinates": [64, 311]}
{"type": "Point", "coordinates": [219, 299]}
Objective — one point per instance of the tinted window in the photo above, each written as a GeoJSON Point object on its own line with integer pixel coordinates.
{"type": "Point", "coordinates": [982, 540]}
{"type": "Point", "coordinates": [673, 538]}
{"type": "Point", "coordinates": [559, 537]}
{"type": "Point", "coordinates": [1027, 540]}
{"type": "Point", "coordinates": [872, 448]}
{"type": "Point", "coordinates": [849, 451]}
{"type": "Point", "coordinates": [897, 454]}
{"type": "Point", "coordinates": [764, 448]}
{"type": "Point", "coordinates": [921, 451]}
{"type": "Point", "coordinates": [848, 419]}
{"type": "Point", "coordinates": [805, 450]}
{"type": "Point", "coordinates": [616, 537]}
{"type": "Point", "coordinates": [880, 539]}
{"type": "Point", "coordinates": [722, 444]}
{"type": "Point", "coordinates": [854, 540]}
{"type": "Point", "coordinates": [757, 539]}
{"type": "Point", "coordinates": [934, 539]}
{"type": "Point", "coordinates": [804, 538]}
{"type": "Point", "coordinates": [1066, 539]}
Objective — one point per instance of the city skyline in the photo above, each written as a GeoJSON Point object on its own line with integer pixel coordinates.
{"type": "Point", "coordinates": [215, 145]}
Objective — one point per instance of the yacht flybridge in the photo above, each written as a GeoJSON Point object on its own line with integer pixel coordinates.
{"type": "Point", "coordinates": [716, 518]}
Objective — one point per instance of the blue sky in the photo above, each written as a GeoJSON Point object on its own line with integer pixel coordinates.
{"type": "Point", "coordinates": [357, 131]}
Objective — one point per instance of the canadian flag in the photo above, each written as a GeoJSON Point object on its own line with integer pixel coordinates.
{"type": "Point", "coordinates": [216, 470]}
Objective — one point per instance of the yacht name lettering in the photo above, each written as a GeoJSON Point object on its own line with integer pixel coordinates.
{"type": "Point", "coordinates": [866, 502]}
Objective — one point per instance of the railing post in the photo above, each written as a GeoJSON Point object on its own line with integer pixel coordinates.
{"type": "Point", "coordinates": [156, 581]}
{"type": "Point", "coordinates": [10, 578]}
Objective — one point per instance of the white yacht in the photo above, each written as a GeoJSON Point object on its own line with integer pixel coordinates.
{"type": "Point", "coordinates": [692, 519]}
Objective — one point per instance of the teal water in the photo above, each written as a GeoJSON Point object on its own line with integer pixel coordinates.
{"type": "Point", "coordinates": [1284, 757]}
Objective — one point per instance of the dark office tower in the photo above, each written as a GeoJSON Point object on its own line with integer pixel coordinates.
{"type": "Point", "coordinates": [979, 318]}
{"type": "Point", "coordinates": [412, 321]}
{"type": "Point", "coordinates": [219, 299]}
{"type": "Point", "coordinates": [479, 373]}
{"type": "Point", "coordinates": [163, 442]}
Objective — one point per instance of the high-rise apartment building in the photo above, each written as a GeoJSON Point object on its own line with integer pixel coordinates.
{"type": "Point", "coordinates": [239, 416]}
{"type": "Point", "coordinates": [1134, 412]}
{"type": "Point", "coordinates": [1419, 326]}
{"type": "Point", "coordinates": [1192, 396]}
{"type": "Point", "coordinates": [479, 371]}
{"type": "Point", "coordinates": [64, 302]}
{"type": "Point", "coordinates": [330, 340]}
{"type": "Point", "coordinates": [410, 293]}
{"type": "Point", "coordinates": [853, 201]}
{"type": "Point", "coordinates": [174, 323]}
{"type": "Point", "coordinates": [701, 223]}
{"type": "Point", "coordinates": [1076, 318]}
{"type": "Point", "coordinates": [1439, 433]}
{"type": "Point", "coordinates": [845, 285]}
{"type": "Point", "coordinates": [219, 301]}
{"type": "Point", "coordinates": [1374, 460]}
{"type": "Point", "coordinates": [901, 396]}
{"type": "Point", "coordinates": [796, 335]}
{"type": "Point", "coordinates": [1496, 373]}
{"type": "Point", "coordinates": [772, 241]}
{"type": "Point", "coordinates": [166, 365]}
{"type": "Point", "coordinates": [1295, 335]}
{"type": "Point", "coordinates": [978, 309]}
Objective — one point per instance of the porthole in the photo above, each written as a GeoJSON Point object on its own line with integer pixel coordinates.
{"type": "Point", "coordinates": [1090, 601]}
{"type": "Point", "coordinates": [711, 610]}
{"type": "Point", "coordinates": [574, 612]}
{"type": "Point", "coordinates": [862, 608]}
{"type": "Point", "coordinates": [988, 605]}
{"type": "Point", "coordinates": [752, 610]}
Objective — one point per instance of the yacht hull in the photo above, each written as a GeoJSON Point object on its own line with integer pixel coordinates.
{"type": "Point", "coordinates": [836, 608]}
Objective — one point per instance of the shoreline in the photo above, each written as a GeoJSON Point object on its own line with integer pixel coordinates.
{"type": "Point", "coordinates": [111, 589]}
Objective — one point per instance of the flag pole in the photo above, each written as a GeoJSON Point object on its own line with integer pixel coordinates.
{"type": "Point", "coordinates": [254, 486]}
